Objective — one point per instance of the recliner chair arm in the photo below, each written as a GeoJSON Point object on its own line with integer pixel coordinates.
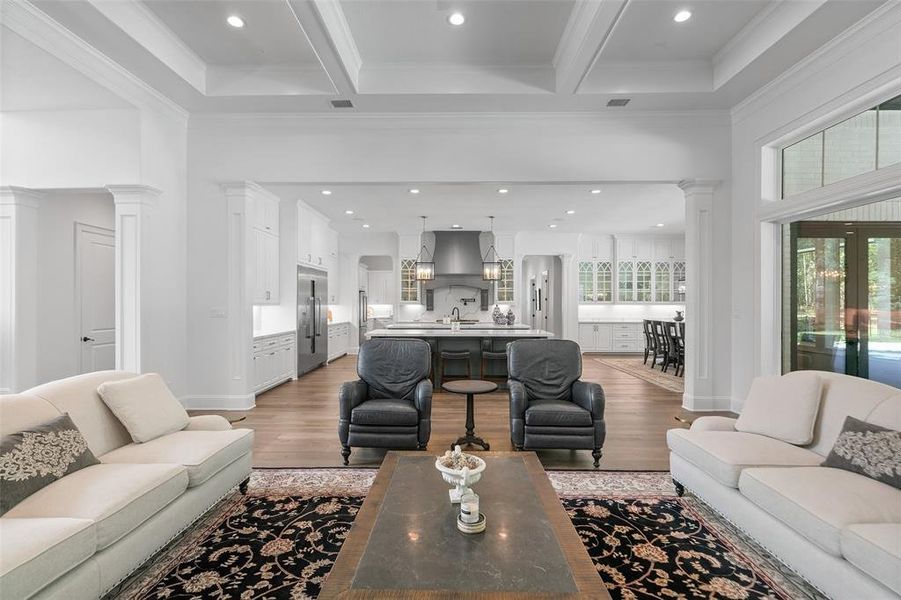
{"type": "Point", "coordinates": [590, 396]}
{"type": "Point", "coordinates": [519, 399]}
{"type": "Point", "coordinates": [352, 394]}
{"type": "Point", "coordinates": [422, 398]}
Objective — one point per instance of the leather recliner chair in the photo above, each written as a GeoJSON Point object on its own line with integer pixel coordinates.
{"type": "Point", "coordinates": [549, 406]}
{"type": "Point", "coordinates": [390, 406]}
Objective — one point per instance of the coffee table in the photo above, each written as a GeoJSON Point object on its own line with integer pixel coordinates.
{"type": "Point", "coordinates": [470, 387]}
{"type": "Point", "coordinates": [404, 542]}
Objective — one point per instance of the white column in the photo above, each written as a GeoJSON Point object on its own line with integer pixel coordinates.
{"type": "Point", "coordinates": [569, 315]}
{"type": "Point", "coordinates": [240, 299]}
{"type": "Point", "coordinates": [699, 394]}
{"type": "Point", "coordinates": [18, 288]}
{"type": "Point", "coordinates": [134, 207]}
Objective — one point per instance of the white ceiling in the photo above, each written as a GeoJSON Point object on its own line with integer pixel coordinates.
{"type": "Point", "coordinates": [403, 55]}
{"type": "Point", "coordinates": [620, 208]}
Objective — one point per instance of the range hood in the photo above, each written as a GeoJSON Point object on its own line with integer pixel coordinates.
{"type": "Point", "coordinates": [458, 259]}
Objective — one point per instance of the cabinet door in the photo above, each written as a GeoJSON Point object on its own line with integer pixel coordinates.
{"type": "Point", "coordinates": [272, 268]}
{"type": "Point", "coordinates": [604, 337]}
{"type": "Point", "coordinates": [644, 248]}
{"type": "Point", "coordinates": [663, 249]}
{"type": "Point", "coordinates": [678, 249]}
{"type": "Point", "coordinates": [587, 337]}
{"type": "Point", "coordinates": [259, 263]}
{"type": "Point", "coordinates": [587, 247]}
{"type": "Point", "coordinates": [625, 249]}
{"type": "Point", "coordinates": [334, 279]}
{"type": "Point", "coordinates": [319, 241]}
{"type": "Point", "coordinates": [304, 229]}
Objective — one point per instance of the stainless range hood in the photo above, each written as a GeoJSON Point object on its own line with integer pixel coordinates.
{"type": "Point", "coordinates": [458, 259]}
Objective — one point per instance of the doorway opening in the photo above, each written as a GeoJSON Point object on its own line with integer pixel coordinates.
{"type": "Point", "coordinates": [845, 295]}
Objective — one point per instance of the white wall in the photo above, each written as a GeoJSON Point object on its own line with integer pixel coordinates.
{"type": "Point", "coordinates": [58, 331]}
{"type": "Point", "coordinates": [854, 72]}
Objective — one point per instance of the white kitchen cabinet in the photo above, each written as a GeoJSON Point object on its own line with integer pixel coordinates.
{"type": "Point", "coordinates": [611, 337]}
{"type": "Point", "coordinates": [266, 268]}
{"type": "Point", "coordinates": [595, 337]}
{"type": "Point", "coordinates": [338, 340]}
{"type": "Point", "coordinates": [333, 263]}
{"type": "Point", "coordinates": [593, 247]}
{"type": "Point", "coordinates": [274, 360]}
{"type": "Point", "coordinates": [381, 287]}
{"type": "Point", "coordinates": [314, 237]}
{"type": "Point", "coordinates": [265, 213]}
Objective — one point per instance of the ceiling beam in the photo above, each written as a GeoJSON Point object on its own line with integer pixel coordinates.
{"type": "Point", "coordinates": [590, 25]}
{"type": "Point", "coordinates": [144, 27]}
{"type": "Point", "coordinates": [326, 29]}
{"type": "Point", "coordinates": [761, 33]}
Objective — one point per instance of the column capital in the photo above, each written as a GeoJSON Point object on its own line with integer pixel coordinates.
{"type": "Point", "coordinates": [244, 187]}
{"type": "Point", "coordinates": [134, 194]}
{"type": "Point", "coordinates": [698, 186]}
{"type": "Point", "coordinates": [20, 196]}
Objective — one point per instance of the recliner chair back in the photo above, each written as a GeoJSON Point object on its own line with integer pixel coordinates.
{"type": "Point", "coordinates": [546, 368]}
{"type": "Point", "coordinates": [392, 367]}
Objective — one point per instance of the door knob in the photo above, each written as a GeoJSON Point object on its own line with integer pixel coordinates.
{"type": "Point", "coordinates": [87, 339]}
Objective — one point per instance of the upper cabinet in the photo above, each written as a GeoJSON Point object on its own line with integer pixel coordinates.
{"type": "Point", "coordinates": [595, 247]}
{"type": "Point", "coordinates": [313, 241]}
{"type": "Point", "coordinates": [334, 269]}
{"type": "Point", "coordinates": [505, 289]}
{"type": "Point", "coordinates": [381, 287]}
{"type": "Point", "coordinates": [263, 213]}
{"type": "Point", "coordinates": [410, 290]}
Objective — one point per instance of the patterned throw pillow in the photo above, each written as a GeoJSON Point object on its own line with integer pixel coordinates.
{"type": "Point", "coordinates": [36, 457]}
{"type": "Point", "coordinates": [867, 449]}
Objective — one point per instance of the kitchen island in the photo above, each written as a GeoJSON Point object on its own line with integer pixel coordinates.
{"type": "Point", "coordinates": [493, 338]}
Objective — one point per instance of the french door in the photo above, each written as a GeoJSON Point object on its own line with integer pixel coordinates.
{"type": "Point", "coordinates": [846, 299]}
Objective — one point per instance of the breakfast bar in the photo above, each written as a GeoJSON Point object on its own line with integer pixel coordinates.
{"type": "Point", "coordinates": [469, 338]}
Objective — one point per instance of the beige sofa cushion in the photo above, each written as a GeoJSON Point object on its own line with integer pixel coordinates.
{"type": "Point", "coordinates": [783, 407]}
{"type": "Point", "coordinates": [208, 423]}
{"type": "Point", "coordinates": [117, 498]}
{"type": "Point", "coordinates": [875, 549]}
{"type": "Point", "coordinates": [818, 502]}
{"type": "Point", "coordinates": [22, 411]}
{"type": "Point", "coordinates": [78, 397]}
{"type": "Point", "coordinates": [35, 552]}
{"type": "Point", "coordinates": [724, 454]}
{"type": "Point", "coordinates": [145, 406]}
{"type": "Point", "coordinates": [203, 453]}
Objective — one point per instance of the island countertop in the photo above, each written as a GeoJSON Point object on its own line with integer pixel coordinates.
{"type": "Point", "coordinates": [462, 333]}
{"type": "Point", "coordinates": [447, 327]}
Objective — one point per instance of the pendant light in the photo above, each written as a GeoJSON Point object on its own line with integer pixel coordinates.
{"type": "Point", "coordinates": [424, 270]}
{"type": "Point", "coordinates": [491, 269]}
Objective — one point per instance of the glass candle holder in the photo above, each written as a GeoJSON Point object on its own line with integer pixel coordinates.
{"type": "Point", "coordinates": [469, 508]}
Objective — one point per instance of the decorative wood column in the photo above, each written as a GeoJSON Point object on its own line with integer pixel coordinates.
{"type": "Point", "coordinates": [698, 393]}
{"type": "Point", "coordinates": [18, 288]}
{"type": "Point", "coordinates": [134, 207]}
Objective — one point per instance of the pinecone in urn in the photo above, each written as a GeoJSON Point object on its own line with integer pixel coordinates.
{"type": "Point", "coordinates": [511, 318]}
{"type": "Point", "coordinates": [498, 317]}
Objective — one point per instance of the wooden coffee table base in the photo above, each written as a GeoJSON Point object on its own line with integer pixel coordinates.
{"type": "Point", "coordinates": [404, 542]}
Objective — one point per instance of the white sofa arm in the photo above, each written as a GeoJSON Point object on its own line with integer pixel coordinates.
{"type": "Point", "coordinates": [713, 424]}
{"type": "Point", "coordinates": [208, 423]}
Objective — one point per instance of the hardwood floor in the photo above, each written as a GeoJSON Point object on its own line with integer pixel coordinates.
{"type": "Point", "coordinates": [296, 423]}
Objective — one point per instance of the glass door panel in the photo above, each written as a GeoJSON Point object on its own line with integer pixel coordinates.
{"type": "Point", "coordinates": [821, 341]}
{"type": "Point", "coordinates": [881, 346]}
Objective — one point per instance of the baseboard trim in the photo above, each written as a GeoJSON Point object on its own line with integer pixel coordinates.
{"type": "Point", "coordinates": [200, 402]}
{"type": "Point", "coordinates": [707, 403]}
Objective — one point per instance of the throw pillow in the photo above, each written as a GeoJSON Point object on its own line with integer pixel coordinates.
{"type": "Point", "coordinates": [36, 457]}
{"type": "Point", "coordinates": [783, 407]}
{"type": "Point", "coordinates": [869, 450]}
{"type": "Point", "coordinates": [145, 406]}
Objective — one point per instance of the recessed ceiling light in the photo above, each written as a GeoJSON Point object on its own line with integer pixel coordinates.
{"type": "Point", "coordinates": [503, 191]}
{"type": "Point", "coordinates": [326, 192]}
{"type": "Point", "coordinates": [682, 16]}
{"type": "Point", "coordinates": [455, 226]}
{"type": "Point", "coordinates": [348, 212]}
{"type": "Point", "coordinates": [456, 18]}
{"type": "Point", "coordinates": [414, 191]}
{"type": "Point", "coordinates": [553, 226]}
{"type": "Point", "coordinates": [595, 191]}
{"type": "Point", "coordinates": [365, 225]}
{"type": "Point", "coordinates": [659, 224]}
{"type": "Point", "coordinates": [570, 212]}
{"type": "Point", "coordinates": [235, 21]}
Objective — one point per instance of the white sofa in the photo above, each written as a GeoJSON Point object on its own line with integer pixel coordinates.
{"type": "Point", "coordinates": [839, 530]}
{"type": "Point", "coordinates": [81, 535]}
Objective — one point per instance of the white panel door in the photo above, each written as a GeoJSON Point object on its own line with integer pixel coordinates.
{"type": "Point", "coordinates": [95, 276]}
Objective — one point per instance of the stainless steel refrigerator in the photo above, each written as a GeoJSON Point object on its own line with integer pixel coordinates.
{"type": "Point", "coordinates": [364, 316]}
{"type": "Point", "coordinates": [312, 319]}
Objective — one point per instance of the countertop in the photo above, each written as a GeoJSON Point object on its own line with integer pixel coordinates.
{"type": "Point", "coordinates": [447, 327]}
{"type": "Point", "coordinates": [268, 333]}
{"type": "Point", "coordinates": [611, 320]}
{"type": "Point", "coordinates": [338, 323]}
{"type": "Point", "coordinates": [462, 333]}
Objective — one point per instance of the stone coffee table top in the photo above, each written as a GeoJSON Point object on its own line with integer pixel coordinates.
{"type": "Point", "coordinates": [469, 386]}
{"type": "Point", "coordinates": [404, 542]}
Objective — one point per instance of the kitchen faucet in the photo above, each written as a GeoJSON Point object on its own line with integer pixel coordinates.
{"type": "Point", "coordinates": [457, 309]}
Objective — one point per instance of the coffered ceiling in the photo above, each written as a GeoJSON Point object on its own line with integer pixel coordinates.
{"type": "Point", "coordinates": [406, 56]}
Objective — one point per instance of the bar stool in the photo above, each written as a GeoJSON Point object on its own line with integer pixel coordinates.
{"type": "Point", "coordinates": [488, 355]}
{"type": "Point", "coordinates": [450, 355]}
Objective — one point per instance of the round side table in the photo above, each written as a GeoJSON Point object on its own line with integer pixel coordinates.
{"type": "Point", "coordinates": [470, 387]}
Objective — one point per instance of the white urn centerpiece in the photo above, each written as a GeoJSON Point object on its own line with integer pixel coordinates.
{"type": "Point", "coordinates": [459, 470]}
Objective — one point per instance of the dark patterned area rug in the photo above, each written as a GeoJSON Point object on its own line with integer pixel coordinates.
{"type": "Point", "coordinates": [281, 539]}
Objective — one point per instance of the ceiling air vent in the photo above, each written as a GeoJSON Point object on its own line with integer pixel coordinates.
{"type": "Point", "coordinates": [618, 102]}
{"type": "Point", "coordinates": [345, 104]}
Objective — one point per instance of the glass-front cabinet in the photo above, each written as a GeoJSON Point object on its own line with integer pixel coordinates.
{"type": "Point", "coordinates": [409, 287]}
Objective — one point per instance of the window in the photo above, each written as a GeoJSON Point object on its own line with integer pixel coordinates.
{"type": "Point", "coordinates": [626, 284]}
{"type": "Point", "coordinates": [679, 281]}
{"type": "Point", "coordinates": [867, 141]}
{"type": "Point", "coordinates": [643, 281]}
{"type": "Point", "coordinates": [586, 281]}
{"type": "Point", "coordinates": [409, 287]}
{"type": "Point", "coordinates": [505, 284]}
{"type": "Point", "coordinates": [663, 289]}
{"type": "Point", "coordinates": [604, 281]}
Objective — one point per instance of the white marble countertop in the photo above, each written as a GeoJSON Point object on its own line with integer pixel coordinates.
{"type": "Point", "coordinates": [338, 323]}
{"type": "Point", "coordinates": [611, 320]}
{"type": "Point", "coordinates": [442, 326]}
{"type": "Point", "coordinates": [269, 333]}
{"type": "Point", "coordinates": [463, 333]}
